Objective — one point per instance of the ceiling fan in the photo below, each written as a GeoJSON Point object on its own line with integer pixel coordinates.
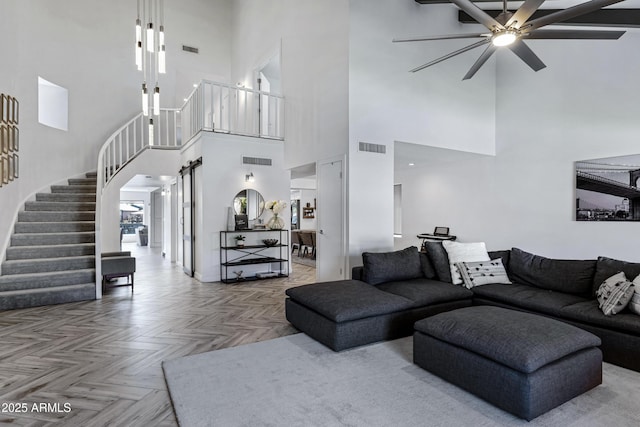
{"type": "Point", "coordinates": [510, 29]}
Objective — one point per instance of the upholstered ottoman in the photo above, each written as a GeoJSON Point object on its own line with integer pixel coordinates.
{"type": "Point", "coordinates": [520, 362]}
{"type": "Point", "coordinates": [348, 313]}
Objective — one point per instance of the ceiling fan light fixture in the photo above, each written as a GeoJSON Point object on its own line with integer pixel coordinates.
{"type": "Point", "coordinates": [504, 38]}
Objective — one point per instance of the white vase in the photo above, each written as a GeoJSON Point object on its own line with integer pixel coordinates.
{"type": "Point", "coordinates": [231, 219]}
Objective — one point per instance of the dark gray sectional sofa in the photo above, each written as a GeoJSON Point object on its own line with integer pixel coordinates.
{"type": "Point", "coordinates": [394, 290]}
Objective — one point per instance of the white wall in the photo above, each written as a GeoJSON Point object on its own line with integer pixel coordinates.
{"type": "Point", "coordinates": [87, 46]}
{"type": "Point", "coordinates": [583, 106]}
{"type": "Point", "coordinates": [223, 175]}
{"type": "Point", "coordinates": [389, 104]}
{"type": "Point", "coordinates": [432, 107]}
{"type": "Point", "coordinates": [313, 36]}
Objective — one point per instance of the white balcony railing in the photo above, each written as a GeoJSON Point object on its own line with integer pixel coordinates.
{"type": "Point", "coordinates": [219, 107]}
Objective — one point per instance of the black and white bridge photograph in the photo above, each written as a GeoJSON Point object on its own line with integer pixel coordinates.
{"type": "Point", "coordinates": [607, 189]}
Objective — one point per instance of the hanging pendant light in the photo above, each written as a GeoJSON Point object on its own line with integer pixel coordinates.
{"type": "Point", "coordinates": [162, 60]}
{"type": "Point", "coordinates": [145, 100]}
{"type": "Point", "coordinates": [151, 131]}
{"type": "Point", "coordinates": [150, 53]}
{"type": "Point", "coordinates": [156, 101]}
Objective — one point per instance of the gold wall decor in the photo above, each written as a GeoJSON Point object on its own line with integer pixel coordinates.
{"type": "Point", "coordinates": [9, 138]}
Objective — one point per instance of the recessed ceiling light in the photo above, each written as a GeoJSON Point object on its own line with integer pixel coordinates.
{"type": "Point", "coordinates": [195, 85]}
{"type": "Point", "coordinates": [412, 164]}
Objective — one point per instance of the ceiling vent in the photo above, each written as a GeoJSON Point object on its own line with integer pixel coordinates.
{"type": "Point", "coordinates": [373, 148]}
{"type": "Point", "coordinates": [256, 161]}
{"type": "Point", "coordinates": [190, 49]}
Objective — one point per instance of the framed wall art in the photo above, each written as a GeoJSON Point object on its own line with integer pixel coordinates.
{"type": "Point", "coordinates": [5, 140]}
{"type": "Point", "coordinates": [4, 168]}
{"type": "Point", "coordinates": [607, 189]}
{"type": "Point", "coordinates": [9, 139]}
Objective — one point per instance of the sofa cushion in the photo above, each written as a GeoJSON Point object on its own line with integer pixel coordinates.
{"type": "Point", "coordinates": [387, 266]}
{"type": "Point", "coordinates": [481, 273]}
{"type": "Point", "coordinates": [589, 312]}
{"type": "Point", "coordinates": [607, 267]}
{"type": "Point", "coordinates": [440, 260]}
{"type": "Point", "coordinates": [428, 270]}
{"type": "Point", "coordinates": [634, 304]}
{"type": "Point", "coordinates": [528, 297]}
{"type": "Point", "coordinates": [425, 292]}
{"type": "Point", "coordinates": [614, 294]}
{"type": "Point", "coordinates": [345, 300]}
{"type": "Point", "coordinates": [464, 252]}
{"type": "Point", "coordinates": [570, 276]}
{"type": "Point", "coordinates": [523, 341]}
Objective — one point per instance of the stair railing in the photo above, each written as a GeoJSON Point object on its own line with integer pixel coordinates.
{"type": "Point", "coordinates": [123, 146]}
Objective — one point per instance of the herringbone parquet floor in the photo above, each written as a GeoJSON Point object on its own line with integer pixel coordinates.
{"type": "Point", "coordinates": [98, 363]}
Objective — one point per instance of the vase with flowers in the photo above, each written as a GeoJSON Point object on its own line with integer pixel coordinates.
{"type": "Point", "coordinates": [276, 207]}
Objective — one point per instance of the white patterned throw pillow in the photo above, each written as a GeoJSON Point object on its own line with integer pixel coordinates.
{"type": "Point", "coordinates": [483, 273]}
{"type": "Point", "coordinates": [634, 304]}
{"type": "Point", "coordinates": [464, 252]}
{"type": "Point", "coordinates": [614, 294]}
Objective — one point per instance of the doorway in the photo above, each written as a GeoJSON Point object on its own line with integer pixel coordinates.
{"type": "Point", "coordinates": [268, 79]}
{"type": "Point", "coordinates": [190, 179]}
{"type": "Point", "coordinates": [331, 220]}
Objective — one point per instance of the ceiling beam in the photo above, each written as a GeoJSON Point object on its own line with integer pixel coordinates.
{"type": "Point", "coordinates": [600, 18]}
{"type": "Point", "coordinates": [603, 17]}
{"type": "Point", "coordinates": [447, 1]}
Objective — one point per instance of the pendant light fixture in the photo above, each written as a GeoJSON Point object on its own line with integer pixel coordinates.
{"type": "Point", "coordinates": [150, 56]}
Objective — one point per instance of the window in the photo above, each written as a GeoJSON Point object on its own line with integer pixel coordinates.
{"type": "Point", "coordinates": [53, 105]}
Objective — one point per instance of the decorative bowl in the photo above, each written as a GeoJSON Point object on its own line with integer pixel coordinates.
{"type": "Point", "coordinates": [270, 242]}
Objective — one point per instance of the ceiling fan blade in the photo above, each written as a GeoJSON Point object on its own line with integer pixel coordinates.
{"type": "Point", "coordinates": [568, 13]}
{"type": "Point", "coordinates": [523, 13]}
{"type": "Point", "coordinates": [478, 14]}
{"type": "Point", "coordinates": [526, 54]}
{"type": "Point", "coordinates": [450, 55]}
{"type": "Point", "coordinates": [574, 34]}
{"type": "Point", "coordinates": [480, 62]}
{"type": "Point", "coordinates": [450, 36]}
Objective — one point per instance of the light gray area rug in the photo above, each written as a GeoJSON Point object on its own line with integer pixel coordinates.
{"type": "Point", "coordinates": [295, 381]}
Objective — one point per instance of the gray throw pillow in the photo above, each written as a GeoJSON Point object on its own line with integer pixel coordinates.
{"type": "Point", "coordinates": [391, 266]}
{"type": "Point", "coordinates": [440, 260]}
{"type": "Point", "coordinates": [614, 294]}
{"type": "Point", "coordinates": [607, 267]}
{"type": "Point", "coordinates": [480, 273]}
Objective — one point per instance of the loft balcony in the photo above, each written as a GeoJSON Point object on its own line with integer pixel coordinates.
{"type": "Point", "coordinates": [223, 108]}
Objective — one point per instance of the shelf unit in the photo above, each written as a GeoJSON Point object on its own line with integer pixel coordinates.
{"type": "Point", "coordinates": [253, 253]}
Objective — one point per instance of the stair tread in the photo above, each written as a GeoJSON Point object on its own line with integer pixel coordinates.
{"type": "Point", "coordinates": [51, 289]}
{"type": "Point", "coordinates": [29, 276]}
{"type": "Point", "coordinates": [63, 233]}
{"type": "Point", "coordinates": [61, 246]}
{"type": "Point", "coordinates": [66, 258]}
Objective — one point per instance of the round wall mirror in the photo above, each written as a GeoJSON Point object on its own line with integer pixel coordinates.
{"type": "Point", "coordinates": [248, 202]}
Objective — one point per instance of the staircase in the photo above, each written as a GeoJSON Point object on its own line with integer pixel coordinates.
{"type": "Point", "coordinates": [51, 257]}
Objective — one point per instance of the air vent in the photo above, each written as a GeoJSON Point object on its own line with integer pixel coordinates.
{"type": "Point", "coordinates": [373, 148]}
{"type": "Point", "coordinates": [190, 49]}
{"type": "Point", "coordinates": [256, 161]}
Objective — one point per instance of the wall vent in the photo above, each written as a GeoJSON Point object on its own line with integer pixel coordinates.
{"type": "Point", "coordinates": [373, 148]}
{"type": "Point", "coordinates": [256, 161]}
{"type": "Point", "coordinates": [190, 49]}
